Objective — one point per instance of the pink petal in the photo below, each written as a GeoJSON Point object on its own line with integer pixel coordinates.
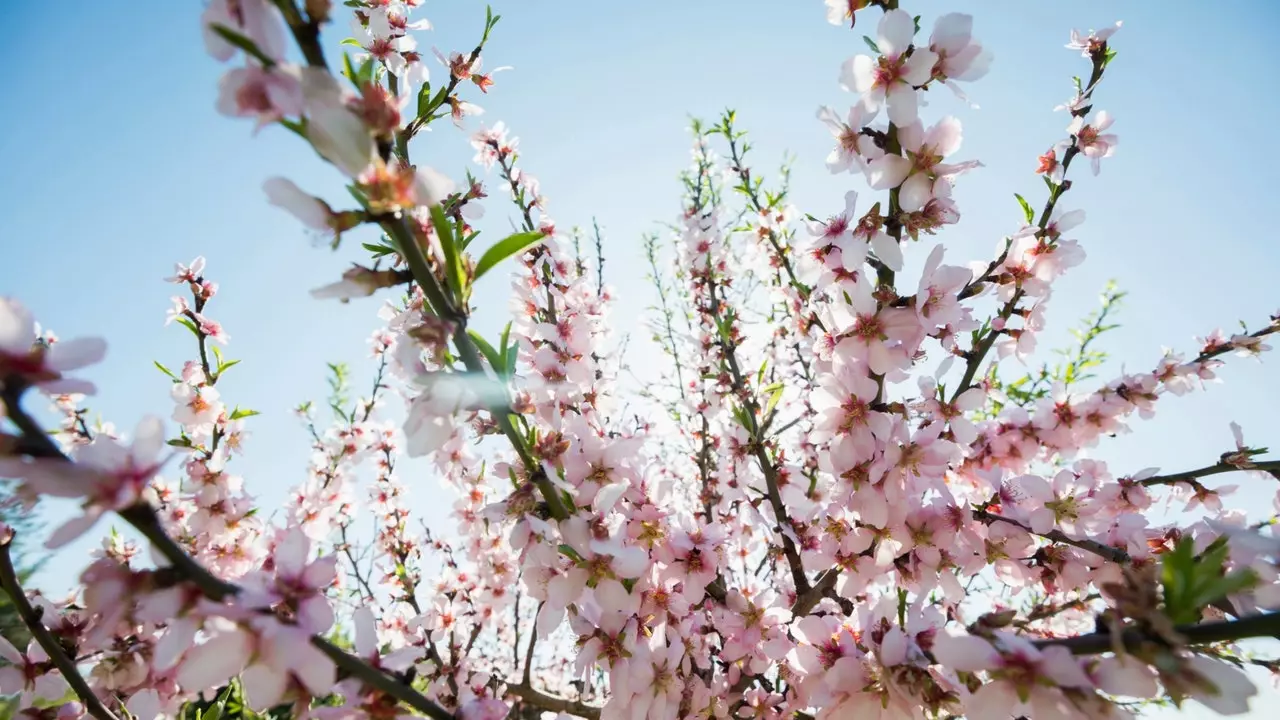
{"type": "Point", "coordinates": [74, 528]}
{"type": "Point", "coordinates": [9, 652]}
{"type": "Point", "coordinates": [263, 686]}
{"type": "Point", "coordinates": [314, 670]}
{"type": "Point", "coordinates": [74, 354]}
{"type": "Point", "coordinates": [291, 553]}
{"type": "Point", "coordinates": [148, 440]}
{"type": "Point", "coordinates": [315, 614]}
{"type": "Point", "coordinates": [17, 327]}
{"type": "Point", "coordinates": [180, 636]}
{"type": "Point", "coordinates": [366, 632]}
{"type": "Point", "coordinates": [216, 661]}
{"type": "Point", "coordinates": [965, 653]}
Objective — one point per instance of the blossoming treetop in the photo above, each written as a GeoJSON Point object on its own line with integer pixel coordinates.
{"type": "Point", "coordinates": [840, 508]}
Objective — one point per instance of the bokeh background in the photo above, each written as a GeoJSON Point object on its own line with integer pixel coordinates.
{"type": "Point", "coordinates": [115, 165]}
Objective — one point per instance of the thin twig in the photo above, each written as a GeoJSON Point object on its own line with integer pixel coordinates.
{"type": "Point", "coordinates": [31, 617]}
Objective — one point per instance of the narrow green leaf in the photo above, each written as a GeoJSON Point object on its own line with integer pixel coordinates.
{"type": "Point", "coordinates": [452, 254]}
{"type": "Point", "coordinates": [378, 250]}
{"type": "Point", "coordinates": [775, 394]}
{"type": "Point", "coordinates": [186, 322]}
{"type": "Point", "coordinates": [165, 370]}
{"type": "Point", "coordinates": [1026, 209]}
{"type": "Point", "coordinates": [238, 413]}
{"type": "Point", "coordinates": [242, 42]}
{"type": "Point", "coordinates": [495, 360]}
{"type": "Point", "coordinates": [505, 248]}
{"type": "Point", "coordinates": [504, 345]}
{"type": "Point", "coordinates": [298, 127]}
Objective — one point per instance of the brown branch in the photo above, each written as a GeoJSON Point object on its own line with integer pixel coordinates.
{"type": "Point", "coordinates": [543, 701]}
{"type": "Point", "coordinates": [31, 618]}
{"type": "Point", "coordinates": [1106, 552]}
{"type": "Point", "coordinates": [975, 355]}
{"type": "Point", "coordinates": [1265, 625]}
{"type": "Point", "coordinates": [1269, 466]}
{"type": "Point", "coordinates": [143, 517]}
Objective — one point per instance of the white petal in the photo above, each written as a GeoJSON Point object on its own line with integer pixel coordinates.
{"type": "Point", "coordinates": [888, 250]}
{"type": "Point", "coordinates": [917, 191]}
{"type": "Point", "coordinates": [896, 30]}
{"type": "Point", "coordinates": [919, 67]}
{"type": "Point", "coordinates": [284, 194]}
{"type": "Point", "coordinates": [903, 104]}
{"type": "Point", "coordinates": [857, 74]}
{"type": "Point", "coordinates": [887, 172]}
{"type": "Point", "coordinates": [433, 186]}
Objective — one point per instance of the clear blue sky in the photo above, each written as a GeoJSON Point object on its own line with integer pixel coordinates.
{"type": "Point", "coordinates": [116, 165]}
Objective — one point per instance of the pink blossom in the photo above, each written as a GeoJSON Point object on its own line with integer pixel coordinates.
{"type": "Point", "coordinates": [1090, 139]}
{"type": "Point", "coordinates": [257, 20]}
{"type": "Point", "coordinates": [108, 475]}
{"type": "Point", "coordinates": [42, 364]}
{"type": "Point", "coordinates": [853, 149]}
{"type": "Point", "coordinates": [960, 57]}
{"type": "Point", "coordinates": [25, 675]}
{"type": "Point", "coordinates": [1093, 41]}
{"type": "Point", "coordinates": [267, 95]}
{"type": "Point", "coordinates": [892, 78]}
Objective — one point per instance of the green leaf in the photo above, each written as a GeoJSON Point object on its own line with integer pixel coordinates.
{"type": "Point", "coordinates": [424, 99]}
{"type": "Point", "coordinates": [166, 370]}
{"type": "Point", "coordinates": [507, 350]}
{"type": "Point", "coordinates": [775, 394]}
{"type": "Point", "coordinates": [186, 322]}
{"type": "Point", "coordinates": [505, 248]}
{"type": "Point", "coordinates": [348, 70]}
{"type": "Point", "coordinates": [242, 42]}
{"type": "Point", "coordinates": [452, 254]}
{"type": "Point", "coordinates": [238, 413]}
{"type": "Point", "coordinates": [226, 366]}
{"type": "Point", "coordinates": [378, 250]}
{"type": "Point", "coordinates": [298, 127]}
{"type": "Point", "coordinates": [181, 442]}
{"type": "Point", "coordinates": [495, 360]}
{"type": "Point", "coordinates": [359, 196]}
{"type": "Point", "coordinates": [364, 75]}
{"type": "Point", "coordinates": [1026, 209]}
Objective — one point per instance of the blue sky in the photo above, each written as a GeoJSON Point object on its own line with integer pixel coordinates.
{"type": "Point", "coordinates": [116, 165]}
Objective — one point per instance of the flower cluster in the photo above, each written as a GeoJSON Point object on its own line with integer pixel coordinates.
{"type": "Point", "coordinates": [835, 508]}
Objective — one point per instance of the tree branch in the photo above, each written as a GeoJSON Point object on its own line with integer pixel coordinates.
{"type": "Point", "coordinates": [1265, 625]}
{"type": "Point", "coordinates": [1106, 552]}
{"type": "Point", "coordinates": [31, 617]}
{"type": "Point", "coordinates": [541, 700]}
{"type": "Point", "coordinates": [145, 520]}
{"type": "Point", "coordinates": [1269, 466]}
